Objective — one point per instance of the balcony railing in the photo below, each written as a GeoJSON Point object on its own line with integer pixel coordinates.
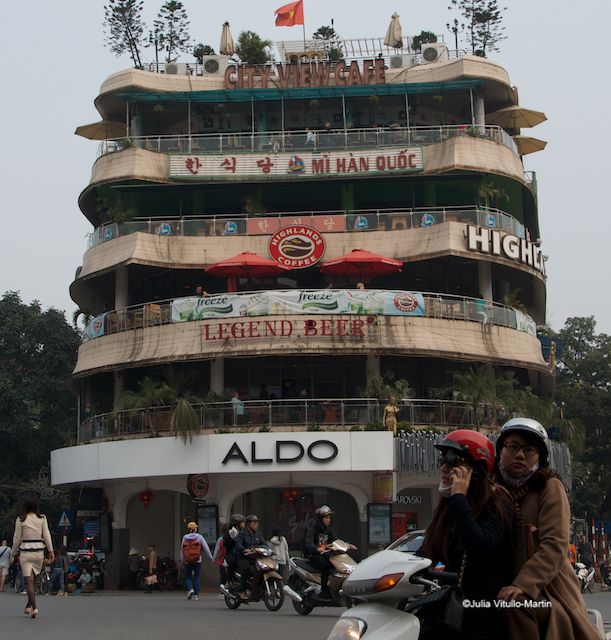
{"type": "Point", "coordinates": [281, 302]}
{"type": "Point", "coordinates": [311, 414]}
{"type": "Point", "coordinates": [301, 140]}
{"type": "Point", "coordinates": [352, 221]}
{"type": "Point", "coordinates": [416, 452]}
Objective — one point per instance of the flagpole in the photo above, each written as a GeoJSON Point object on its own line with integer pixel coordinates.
{"type": "Point", "coordinates": [304, 38]}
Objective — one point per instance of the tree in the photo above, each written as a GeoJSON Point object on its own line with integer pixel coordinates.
{"type": "Point", "coordinates": [582, 393]}
{"type": "Point", "coordinates": [172, 29]}
{"type": "Point", "coordinates": [483, 20]}
{"type": "Point", "coordinates": [124, 28]}
{"type": "Point", "coordinates": [200, 50]}
{"type": "Point", "coordinates": [150, 394]}
{"type": "Point", "coordinates": [37, 410]}
{"type": "Point", "coordinates": [251, 48]}
{"type": "Point", "coordinates": [422, 38]}
{"type": "Point", "coordinates": [331, 42]}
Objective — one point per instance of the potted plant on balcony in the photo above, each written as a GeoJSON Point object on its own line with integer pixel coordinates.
{"type": "Point", "coordinates": [149, 395]}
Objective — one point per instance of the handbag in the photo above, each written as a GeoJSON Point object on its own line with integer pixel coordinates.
{"type": "Point", "coordinates": [441, 612]}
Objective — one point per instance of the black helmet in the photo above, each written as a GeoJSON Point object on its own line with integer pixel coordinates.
{"type": "Point", "coordinates": [323, 511]}
{"type": "Point", "coordinates": [236, 519]}
{"type": "Point", "coordinates": [251, 518]}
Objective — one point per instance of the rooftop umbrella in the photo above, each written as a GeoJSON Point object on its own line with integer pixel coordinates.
{"type": "Point", "coordinates": [516, 117]}
{"type": "Point", "coordinates": [528, 145]}
{"type": "Point", "coordinates": [360, 262]}
{"type": "Point", "coordinates": [245, 264]}
{"type": "Point", "coordinates": [394, 34]}
{"type": "Point", "coordinates": [102, 130]}
{"type": "Point", "coordinates": [227, 47]}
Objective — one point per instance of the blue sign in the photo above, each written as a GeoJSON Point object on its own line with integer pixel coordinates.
{"type": "Point", "coordinates": [65, 519]}
{"type": "Point", "coordinates": [91, 528]}
{"type": "Point", "coordinates": [361, 223]}
{"type": "Point", "coordinates": [165, 229]}
{"type": "Point", "coordinates": [490, 220]}
{"type": "Point", "coordinates": [427, 220]}
{"type": "Point", "coordinates": [231, 228]}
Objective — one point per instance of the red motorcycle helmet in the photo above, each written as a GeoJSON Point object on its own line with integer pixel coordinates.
{"type": "Point", "coordinates": [471, 445]}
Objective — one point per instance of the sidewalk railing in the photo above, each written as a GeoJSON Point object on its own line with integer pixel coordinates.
{"type": "Point", "coordinates": [351, 221]}
{"type": "Point", "coordinates": [303, 140]}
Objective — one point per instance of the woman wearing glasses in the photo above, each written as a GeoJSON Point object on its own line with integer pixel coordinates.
{"type": "Point", "coordinates": [470, 531]}
{"type": "Point", "coordinates": [542, 571]}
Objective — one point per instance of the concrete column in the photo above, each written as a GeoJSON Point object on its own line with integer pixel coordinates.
{"type": "Point", "coordinates": [372, 367]}
{"type": "Point", "coordinates": [119, 387]}
{"type": "Point", "coordinates": [217, 375]}
{"type": "Point", "coordinates": [121, 288]}
{"type": "Point", "coordinates": [347, 197]}
{"type": "Point", "coordinates": [116, 562]}
{"type": "Point", "coordinates": [135, 120]}
{"type": "Point", "coordinates": [485, 280]}
{"type": "Point", "coordinates": [503, 289]}
{"type": "Point", "coordinates": [430, 197]}
{"type": "Point", "coordinates": [479, 109]}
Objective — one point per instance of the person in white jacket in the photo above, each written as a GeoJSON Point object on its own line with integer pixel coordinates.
{"type": "Point", "coordinates": [280, 547]}
{"type": "Point", "coordinates": [31, 538]}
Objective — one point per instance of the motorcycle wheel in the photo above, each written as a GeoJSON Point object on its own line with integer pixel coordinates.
{"type": "Point", "coordinates": [302, 608]}
{"type": "Point", "coordinates": [232, 603]}
{"type": "Point", "coordinates": [275, 599]}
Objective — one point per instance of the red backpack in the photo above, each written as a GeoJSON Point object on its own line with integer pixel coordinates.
{"type": "Point", "coordinates": [191, 550]}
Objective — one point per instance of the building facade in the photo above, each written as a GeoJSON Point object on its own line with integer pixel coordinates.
{"type": "Point", "coordinates": [227, 384]}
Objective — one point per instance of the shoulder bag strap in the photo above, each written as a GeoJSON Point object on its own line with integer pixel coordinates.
{"type": "Point", "coordinates": [463, 564]}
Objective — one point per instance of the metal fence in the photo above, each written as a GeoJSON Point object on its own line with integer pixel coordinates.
{"type": "Point", "coordinates": [302, 140]}
{"type": "Point", "coordinates": [435, 306]}
{"type": "Point", "coordinates": [416, 452]}
{"type": "Point", "coordinates": [355, 221]}
{"type": "Point", "coordinates": [339, 413]}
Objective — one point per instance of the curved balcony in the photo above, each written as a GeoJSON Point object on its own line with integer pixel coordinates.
{"type": "Point", "coordinates": [300, 140]}
{"type": "Point", "coordinates": [331, 414]}
{"type": "Point", "coordinates": [311, 322]}
{"type": "Point", "coordinates": [334, 221]}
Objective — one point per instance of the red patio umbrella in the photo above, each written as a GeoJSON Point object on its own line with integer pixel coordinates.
{"type": "Point", "coordinates": [245, 264]}
{"type": "Point", "coordinates": [360, 262]}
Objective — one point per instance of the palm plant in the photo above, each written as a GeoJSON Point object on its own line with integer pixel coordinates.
{"type": "Point", "coordinates": [85, 315]}
{"type": "Point", "coordinates": [150, 394]}
{"type": "Point", "coordinates": [251, 48]}
{"type": "Point", "coordinates": [184, 420]}
{"type": "Point", "coordinates": [492, 194]}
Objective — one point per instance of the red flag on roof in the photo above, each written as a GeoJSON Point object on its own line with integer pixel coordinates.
{"type": "Point", "coordinates": [290, 14]}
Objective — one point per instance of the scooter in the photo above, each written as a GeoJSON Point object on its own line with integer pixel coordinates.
{"type": "Point", "coordinates": [269, 583]}
{"type": "Point", "coordinates": [304, 584]}
{"type": "Point", "coordinates": [585, 576]}
{"type": "Point", "coordinates": [389, 591]}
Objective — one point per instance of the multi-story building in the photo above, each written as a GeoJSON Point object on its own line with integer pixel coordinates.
{"type": "Point", "coordinates": [413, 157]}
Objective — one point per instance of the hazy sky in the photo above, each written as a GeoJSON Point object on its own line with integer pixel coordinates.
{"type": "Point", "coordinates": [54, 61]}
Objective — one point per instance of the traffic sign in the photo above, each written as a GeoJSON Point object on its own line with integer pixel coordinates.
{"type": "Point", "coordinates": [65, 519]}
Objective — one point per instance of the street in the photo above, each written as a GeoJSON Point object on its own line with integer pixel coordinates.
{"type": "Point", "coordinates": [138, 616]}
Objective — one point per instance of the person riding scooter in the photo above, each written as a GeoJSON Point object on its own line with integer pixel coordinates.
{"type": "Point", "coordinates": [248, 538]}
{"type": "Point", "coordinates": [237, 522]}
{"type": "Point", "coordinates": [318, 536]}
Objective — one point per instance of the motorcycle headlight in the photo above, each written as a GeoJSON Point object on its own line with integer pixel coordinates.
{"type": "Point", "coordinates": [348, 629]}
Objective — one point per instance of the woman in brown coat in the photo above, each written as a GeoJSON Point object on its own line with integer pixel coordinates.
{"type": "Point", "coordinates": [543, 573]}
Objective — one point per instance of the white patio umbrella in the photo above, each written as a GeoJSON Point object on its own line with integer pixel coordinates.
{"type": "Point", "coordinates": [227, 47]}
{"type": "Point", "coordinates": [394, 35]}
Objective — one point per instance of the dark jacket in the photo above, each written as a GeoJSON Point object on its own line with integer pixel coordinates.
{"type": "Point", "coordinates": [316, 535]}
{"type": "Point", "coordinates": [246, 540]}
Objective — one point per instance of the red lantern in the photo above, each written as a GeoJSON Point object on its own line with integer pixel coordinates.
{"type": "Point", "coordinates": [146, 497]}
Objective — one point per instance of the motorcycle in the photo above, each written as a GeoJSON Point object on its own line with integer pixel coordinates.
{"type": "Point", "coordinates": [389, 592]}
{"type": "Point", "coordinates": [304, 584]}
{"type": "Point", "coordinates": [585, 577]}
{"type": "Point", "coordinates": [605, 572]}
{"type": "Point", "coordinates": [269, 583]}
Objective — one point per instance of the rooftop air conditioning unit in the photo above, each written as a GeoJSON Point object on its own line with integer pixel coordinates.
{"type": "Point", "coordinates": [434, 52]}
{"type": "Point", "coordinates": [214, 65]}
{"type": "Point", "coordinates": [402, 61]}
{"type": "Point", "coordinates": [176, 68]}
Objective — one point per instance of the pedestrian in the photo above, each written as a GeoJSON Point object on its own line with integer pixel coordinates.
{"type": "Point", "coordinates": [191, 549]}
{"type": "Point", "coordinates": [84, 581]}
{"type": "Point", "coordinates": [586, 552]}
{"type": "Point", "coordinates": [201, 292]}
{"type": "Point", "coordinates": [152, 560]}
{"type": "Point", "coordinates": [5, 561]}
{"type": "Point", "coordinates": [236, 523]}
{"type": "Point", "coordinates": [309, 138]}
{"type": "Point", "coordinates": [360, 286]}
{"type": "Point", "coordinates": [572, 554]}
{"type": "Point", "coordinates": [240, 415]}
{"type": "Point", "coordinates": [471, 528]}
{"type": "Point", "coordinates": [133, 566]}
{"type": "Point", "coordinates": [31, 538]}
{"type": "Point", "coordinates": [542, 571]}
{"type": "Point", "coordinates": [219, 554]}
{"type": "Point", "coordinates": [280, 547]}
{"type": "Point", "coordinates": [59, 568]}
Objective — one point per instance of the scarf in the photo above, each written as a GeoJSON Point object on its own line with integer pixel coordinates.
{"type": "Point", "coordinates": [445, 490]}
{"type": "Point", "coordinates": [512, 481]}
